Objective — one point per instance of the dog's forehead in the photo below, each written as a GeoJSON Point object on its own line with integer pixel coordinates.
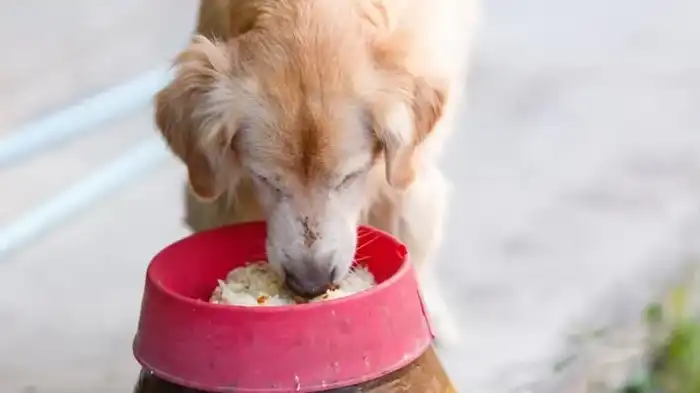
{"type": "Point", "coordinates": [314, 140]}
{"type": "Point", "coordinates": [314, 116]}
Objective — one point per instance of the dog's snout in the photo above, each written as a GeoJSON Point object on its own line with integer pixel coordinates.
{"type": "Point", "coordinates": [309, 279]}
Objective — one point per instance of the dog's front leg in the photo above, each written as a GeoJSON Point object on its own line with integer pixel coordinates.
{"type": "Point", "coordinates": [421, 213]}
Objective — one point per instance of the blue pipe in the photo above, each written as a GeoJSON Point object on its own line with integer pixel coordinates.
{"type": "Point", "coordinates": [82, 117]}
{"type": "Point", "coordinates": [72, 200]}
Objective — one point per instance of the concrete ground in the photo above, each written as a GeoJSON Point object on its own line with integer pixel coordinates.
{"type": "Point", "coordinates": [576, 180]}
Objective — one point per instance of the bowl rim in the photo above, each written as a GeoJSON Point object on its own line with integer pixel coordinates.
{"type": "Point", "coordinates": [405, 268]}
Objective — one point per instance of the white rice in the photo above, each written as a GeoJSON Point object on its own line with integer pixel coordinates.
{"type": "Point", "coordinates": [257, 284]}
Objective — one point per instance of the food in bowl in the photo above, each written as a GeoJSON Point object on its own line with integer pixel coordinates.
{"type": "Point", "coordinates": [257, 284]}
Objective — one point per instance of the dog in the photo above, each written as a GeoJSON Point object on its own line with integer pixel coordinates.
{"type": "Point", "coordinates": [318, 116]}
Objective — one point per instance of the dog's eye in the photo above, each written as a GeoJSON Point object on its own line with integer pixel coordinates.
{"type": "Point", "coordinates": [268, 183]}
{"type": "Point", "coordinates": [349, 179]}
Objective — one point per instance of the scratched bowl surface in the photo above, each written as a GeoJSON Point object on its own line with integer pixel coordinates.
{"type": "Point", "coordinates": [301, 348]}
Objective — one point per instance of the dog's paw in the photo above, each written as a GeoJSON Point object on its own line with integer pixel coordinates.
{"type": "Point", "coordinates": [446, 330]}
{"type": "Point", "coordinates": [445, 327]}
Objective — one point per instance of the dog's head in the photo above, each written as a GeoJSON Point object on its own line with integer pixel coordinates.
{"type": "Point", "coordinates": [305, 108]}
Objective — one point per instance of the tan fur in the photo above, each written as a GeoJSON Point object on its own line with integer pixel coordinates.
{"type": "Point", "coordinates": [303, 72]}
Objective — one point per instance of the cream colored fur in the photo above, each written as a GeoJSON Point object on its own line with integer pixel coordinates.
{"type": "Point", "coordinates": [400, 62]}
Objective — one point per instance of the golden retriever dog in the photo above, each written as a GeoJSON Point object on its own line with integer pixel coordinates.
{"type": "Point", "coordinates": [318, 116]}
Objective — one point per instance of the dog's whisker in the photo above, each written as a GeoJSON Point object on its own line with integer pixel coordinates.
{"type": "Point", "coordinates": [368, 235]}
{"type": "Point", "coordinates": [356, 261]}
{"type": "Point", "coordinates": [368, 242]}
{"type": "Point", "coordinates": [364, 233]}
{"type": "Point", "coordinates": [361, 236]}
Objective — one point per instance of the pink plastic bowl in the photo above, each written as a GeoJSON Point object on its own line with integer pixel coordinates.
{"type": "Point", "coordinates": [303, 348]}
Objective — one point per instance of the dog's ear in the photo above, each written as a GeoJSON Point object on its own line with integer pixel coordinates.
{"type": "Point", "coordinates": [195, 115]}
{"type": "Point", "coordinates": [403, 122]}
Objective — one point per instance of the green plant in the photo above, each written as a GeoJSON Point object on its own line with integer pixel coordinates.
{"type": "Point", "coordinates": [675, 347]}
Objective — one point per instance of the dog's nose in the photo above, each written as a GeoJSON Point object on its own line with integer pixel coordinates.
{"type": "Point", "coordinates": [309, 279]}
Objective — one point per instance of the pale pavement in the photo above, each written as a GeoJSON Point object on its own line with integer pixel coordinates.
{"type": "Point", "coordinates": [576, 173]}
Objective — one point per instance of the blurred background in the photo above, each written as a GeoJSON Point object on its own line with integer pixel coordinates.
{"type": "Point", "coordinates": [576, 182]}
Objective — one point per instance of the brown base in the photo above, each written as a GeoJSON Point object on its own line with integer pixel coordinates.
{"type": "Point", "coordinates": [425, 375]}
